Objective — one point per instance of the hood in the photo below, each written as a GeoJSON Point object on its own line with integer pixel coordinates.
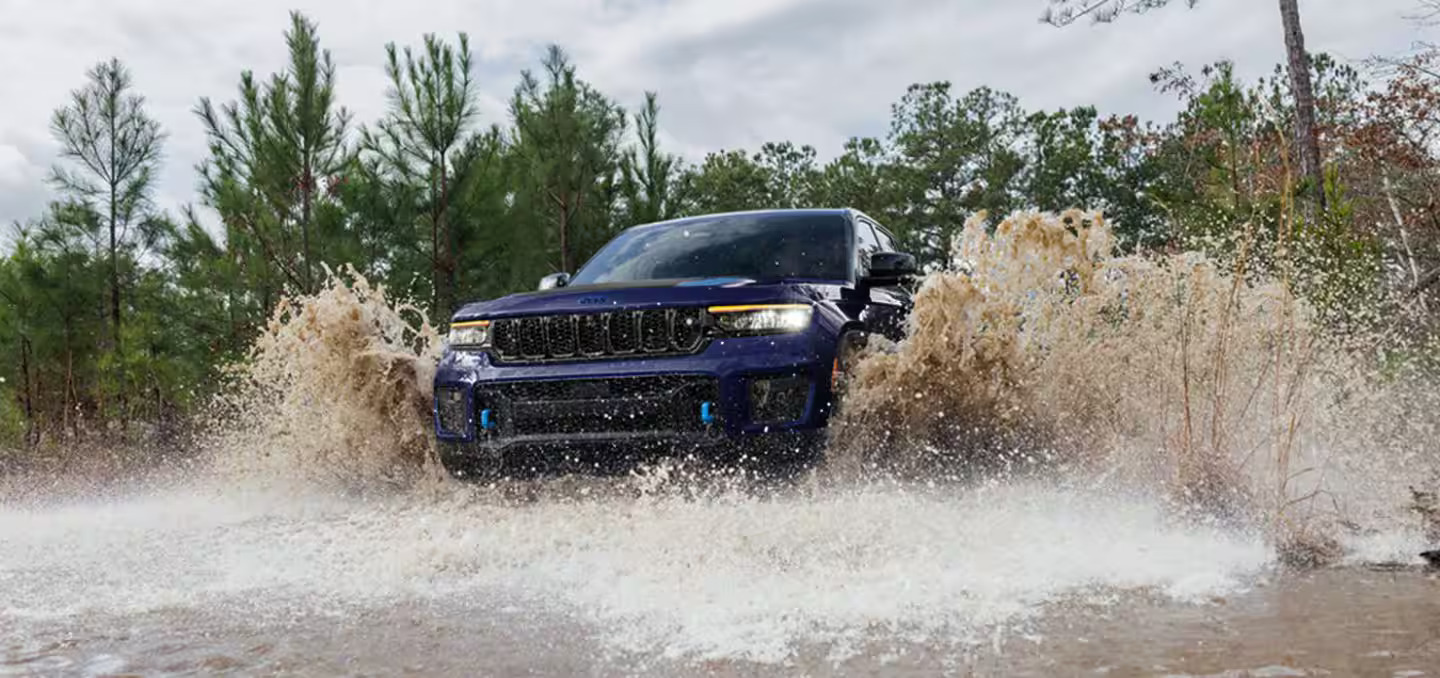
{"type": "Point", "coordinates": [645, 294]}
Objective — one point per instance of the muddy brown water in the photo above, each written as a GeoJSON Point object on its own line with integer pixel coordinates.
{"type": "Point", "coordinates": [1010, 579]}
{"type": "Point", "coordinates": [1346, 622]}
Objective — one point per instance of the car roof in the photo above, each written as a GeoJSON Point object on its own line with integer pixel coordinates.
{"type": "Point", "coordinates": [801, 211]}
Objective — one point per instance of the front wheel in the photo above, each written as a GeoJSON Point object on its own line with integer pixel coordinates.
{"type": "Point", "coordinates": [847, 355]}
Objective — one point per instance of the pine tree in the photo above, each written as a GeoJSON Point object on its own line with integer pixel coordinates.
{"type": "Point", "coordinates": [114, 149]}
{"type": "Point", "coordinates": [432, 105]}
{"type": "Point", "coordinates": [648, 174]}
{"type": "Point", "coordinates": [567, 140]}
{"type": "Point", "coordinates": [274, 156]}
{"type": "Point", "coordinates": [307, 129]}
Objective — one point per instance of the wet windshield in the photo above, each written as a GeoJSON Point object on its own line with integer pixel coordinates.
{"type": "Point", "coordinates": [759, 246]}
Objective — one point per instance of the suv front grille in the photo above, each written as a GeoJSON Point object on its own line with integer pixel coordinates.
{"type": "Point", "coordinates": [652, 332]}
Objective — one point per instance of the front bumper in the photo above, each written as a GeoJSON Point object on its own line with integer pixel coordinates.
{"type": "Point", "coordinates": [735, 390]}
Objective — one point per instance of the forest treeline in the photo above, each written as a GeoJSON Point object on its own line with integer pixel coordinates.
{"type": "Point", "coordinates": [116, 315]}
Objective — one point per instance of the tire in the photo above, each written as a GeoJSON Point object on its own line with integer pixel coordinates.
{"type": "Point", "coordinates": [847, 354]}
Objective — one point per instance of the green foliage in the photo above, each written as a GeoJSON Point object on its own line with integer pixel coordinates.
{"type": "Point", "coordinates": [274, 155]}
{"type": "Point", "coordinates": [442, 207]}
{"type": "Point", "coordinates": [112, 148]}
{"type": "Point", "coordinates": [432, 104]}
{"type": "Point", "coordinates": [957, 157]}
{"type": "Point", "coordinates": [727, 181]}
{"type": "Point", "coordinates": [567, 141]}
{"type": "Point", "coordinates": [1337, 268]}
{"type": "Point", "coordinates": [647, 174]}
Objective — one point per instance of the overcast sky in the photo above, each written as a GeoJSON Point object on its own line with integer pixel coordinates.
{"type": "Point", "coordinates": [730, 73]}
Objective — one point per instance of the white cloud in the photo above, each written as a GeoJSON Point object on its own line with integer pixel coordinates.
{"type": "Point", "coordinates": [730, 73]}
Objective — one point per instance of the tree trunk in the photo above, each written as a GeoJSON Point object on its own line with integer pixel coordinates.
{"type": "Point", "coordinates": [1425, 282]}
{"type": "Point", "coordinates": [563, 223]}
{"type": "Point", "coordinates": [435, 273]}
{"type": "Point", "coordinates": [66, 421]}
{"type": "Point", "coordinates": [1307, 136]}
{"type": "Point", "coordinates": [565, 240]}
{"type": "Point", "coordinates": [30, 438]}
{"type": "Point", "coordinates": [115, 278]}
{"type": "Point", "coordinates": [305, 187]}
{"type": "Point", "coordinates": [155, 385]}
{"type": "Point", "coordinates": [447, 252]}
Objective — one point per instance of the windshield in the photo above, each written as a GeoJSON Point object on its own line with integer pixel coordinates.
{"type": "Point", "coordinates": [758, 246]}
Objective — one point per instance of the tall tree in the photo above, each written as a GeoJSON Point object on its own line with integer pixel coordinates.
{"type": "Point", "coordinates": [1307, 135]}
{"type": "Point", "coordinates": [235, 181]}
{"type": "Point", "coordinates": [57, 274]}
{"type": "Point", "coordinates": [113, 147]}
{"type": "Point", "coordinates": [567, 137]}
{"type": "Point", "coordinates": [960, 156]}
{"type": "Point", "coordinates": [861, 177]}
{"type": "Point", "coordinates": [432, 103]}
{"type": "Point", "coordinates": [274, 154]}
{"type": "Point", "coordinates": [1306, 132]}
{"type": "Point", "coordinates": [648, 174]}
{"type": "Point", "coordinates": [308, 130]}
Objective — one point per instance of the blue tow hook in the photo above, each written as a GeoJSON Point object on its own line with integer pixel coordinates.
{"type": "Point", "coordinates": [707, 412]}
{"type": "Point", "coordinates": [487, 421]}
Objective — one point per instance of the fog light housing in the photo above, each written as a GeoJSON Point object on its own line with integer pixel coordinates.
{"type": "Point", "coordinates": [452, 410]}
{"type": "Point", "coordinates": [778, 400]}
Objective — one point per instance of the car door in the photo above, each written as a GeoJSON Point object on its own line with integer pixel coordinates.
{"type": "Point", "coordinates": [886, 307]}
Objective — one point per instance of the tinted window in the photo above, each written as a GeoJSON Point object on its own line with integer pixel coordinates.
{"type": "Point", "coordinates": [750, 246]}
{"type": "Point", "coordinates": [887, 244]}
{"type": "Point", "coordinates": [866, 244]}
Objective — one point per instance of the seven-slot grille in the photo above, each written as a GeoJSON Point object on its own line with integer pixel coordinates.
{"type": "Point", "coordinates": [675, 331]}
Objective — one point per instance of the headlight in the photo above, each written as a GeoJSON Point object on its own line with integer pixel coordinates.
{"type": "Point", "coordinates": [472, 334]}
{"type": "Point", "coordinates": [761, 319]}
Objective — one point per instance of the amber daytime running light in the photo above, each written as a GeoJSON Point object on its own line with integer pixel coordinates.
{"type": "Point", "coordinates": [473, 334]}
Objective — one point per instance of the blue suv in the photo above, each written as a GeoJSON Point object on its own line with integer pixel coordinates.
{"type": "Point", "coordinates": [728, 334]}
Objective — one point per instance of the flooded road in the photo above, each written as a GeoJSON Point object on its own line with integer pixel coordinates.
{"type": "Point", "coordinates": [612, 578]}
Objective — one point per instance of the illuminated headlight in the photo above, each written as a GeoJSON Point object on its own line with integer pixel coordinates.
{"type": "Point", "coordinates": [473, 334]}
{"type": "Point", "coordinates": [761, 319]}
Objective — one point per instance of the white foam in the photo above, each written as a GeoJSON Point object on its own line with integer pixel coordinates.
{"type": "Point", "coordinates": [1397, 545]}
{"type": "Point", "coordinates": [734, 577]}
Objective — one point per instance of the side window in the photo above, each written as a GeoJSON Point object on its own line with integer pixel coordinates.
{"type": "Point", "coordinates": [887, 243]}
{"type": "Point", "coordinates": [866, 243]}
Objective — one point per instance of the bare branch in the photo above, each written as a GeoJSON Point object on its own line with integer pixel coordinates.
{"type": "Point", "coordinates": [1066, 12]}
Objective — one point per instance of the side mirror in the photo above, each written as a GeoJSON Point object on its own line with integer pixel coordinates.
{"type": "Point", "coordinates": [554, 280]}
{"type": "Point", "coordinates": [890, 268]}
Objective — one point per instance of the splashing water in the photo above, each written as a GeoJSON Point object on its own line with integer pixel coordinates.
{"type": "Point", "coordinates": [1146, 384]}
{"type": "Point", "coordinates": [337, 388]}
{"type": "Point", "coordinates": [1168, 371]}
{"type": "Point", "coordinates": [731, 577]}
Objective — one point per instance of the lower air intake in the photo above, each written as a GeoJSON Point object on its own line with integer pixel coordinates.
{"type": "Point", "coordinates": [778, 400]}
